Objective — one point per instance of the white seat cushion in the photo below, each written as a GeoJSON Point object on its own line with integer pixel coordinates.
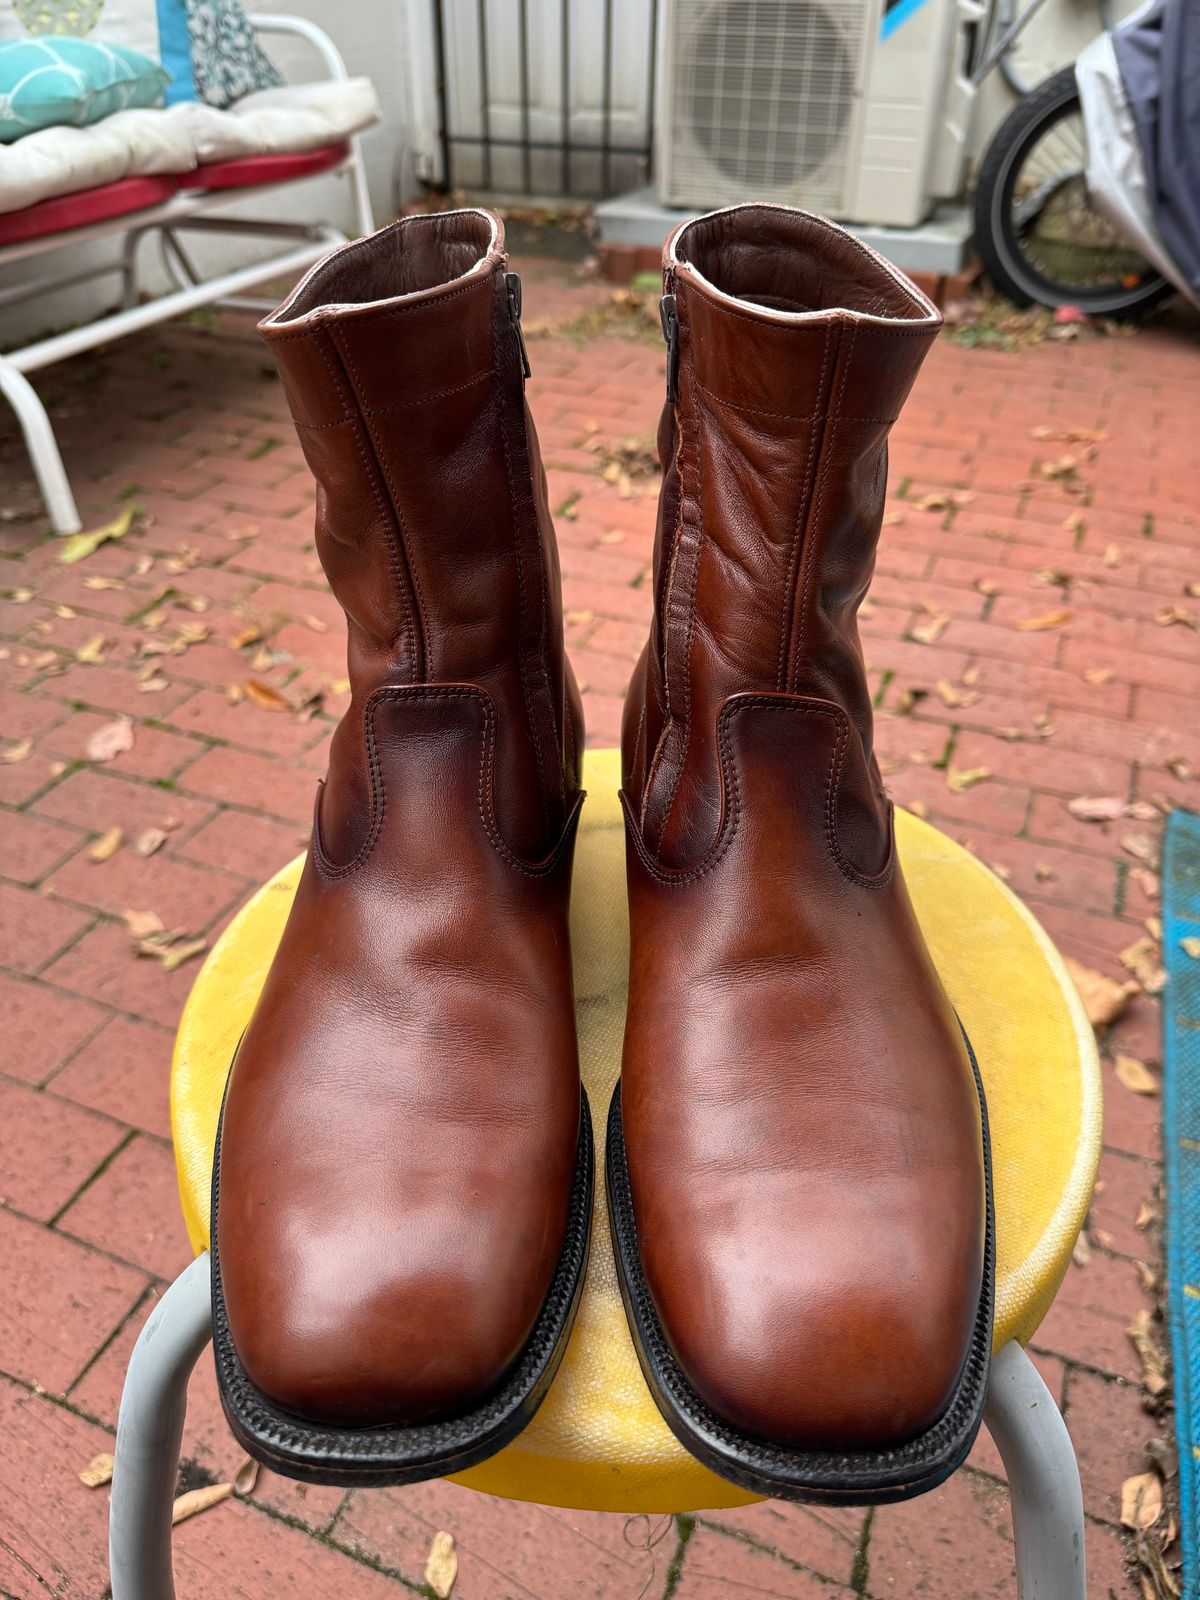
{"type": "Point", "coordinates": [286, 120]}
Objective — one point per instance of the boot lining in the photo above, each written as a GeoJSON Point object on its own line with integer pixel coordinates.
{"type": "Point", "coordinates": [795, 263]}
{"type": "Point", "coordinates": [414, 254]}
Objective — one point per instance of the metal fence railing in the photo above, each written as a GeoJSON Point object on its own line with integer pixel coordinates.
{"type": "Point", "coordinates": [494, 131]}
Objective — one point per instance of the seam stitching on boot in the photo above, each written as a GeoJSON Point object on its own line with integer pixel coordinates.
{"type": "Point", "coordinates": [814, 522]}
{"type": "Point", "coordinates": [484, 787]}
{"type": "Point", "coordinates": [397, 518]}
{"type": "Point", "coordinates": [789, 601]}
{"type": "Point", "coordinates": [730, 822]}
{"type": "Point", "coordinates": [523, 605]}
{"type": "Point", "coordinates": [340, 383]}
{"type": "Point", "coordinates": [685, 326]}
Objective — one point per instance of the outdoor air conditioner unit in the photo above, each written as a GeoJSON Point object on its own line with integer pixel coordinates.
{"type": "Point", "coordinates": [855, 108]}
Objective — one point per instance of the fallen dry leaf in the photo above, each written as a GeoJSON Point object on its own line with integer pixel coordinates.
{"type": "Point", "coordinates": [945, 500]}
{"type": "Point", "coordinates": [952, 697]}
{"type": "Point", "coordinates": [1104, 999]}
{"type": "Point", "coordinates": [987, 586]}
{"type": "Point", "coordinates": [1141, 1500]}
{"type": "Point", "coordinates": [1191, 947]}
{"type": "Point", "coordinates": [81, 545]}
{"type": "Point", "coordinates": [1097, 808]}
{"type": "Point", "coordinates": [148, 842]}
{"type": "Point", "coordinates": [1140, 1333]}
{"type": "Point", "coordinates": [197, 1500]}
{"type": "Point", "coordinates": [179, 953]}
{"type": "Point", "coordinates": [1069, 435]}
{"type": "Point", "coordinates": [613, 536]}
{"type": "Point", "coordinates": [1050, 619]}
{"type": "Point", "coordinates": [1177, 614]}
{"type": "Point", "coordinates": [98, 1471]}
{"type": "Point", "coordinates": [245, 1479]}
{"type": "Point", "coordinates": [1135, 1075]}
{"type": "Point", "coordinates": [1147, 882]}
{"type": "Point", "coordinates": [1082, 1253]}
{"type": "Point", "coordinates": [17, 752]}
{"type": "Point", "coordinates": [919, 809]}
{"type": "Point", "coordinates": [110, 740]}
{"type": "Point", "coordinates": [314, 624]}
{"type": "Point", "coordinates": [91, 652]}
{"type": "Point", "coordinates": [154, 684]}
{"type": "Point", "coordinates": [104, 583]}
{"type": "Point", "coordinates": [142, 924]}
{"type": "Point", "coordinates": [958, 780]}
{"type": "Point", "coordinates": [930, 632]}
{"type": "Point", "coordinates": [250, 635]}
{"type": "Point", "coordinates": [1142, 846]}
{"type": "Point", "coordinates": [263, 695]}
{"type": "Point", "coordinates": [107, 845]}
{"type": "Point", "coordinates": [441, 1564]}
{"type": "Point", "coordinates": [21, 596]}
{"type": "Point", "coordinates": [1179, 766]}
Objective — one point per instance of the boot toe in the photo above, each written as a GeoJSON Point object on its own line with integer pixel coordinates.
{"type": "Point", "coordinates": [826, 1341]}
{"type": "Point", "coordinates": [370, 1333]}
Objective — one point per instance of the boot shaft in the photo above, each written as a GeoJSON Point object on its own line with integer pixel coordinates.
{"type": "Point", "coordinates": [791, 350]}
{"type": "Point", "coordinates": [402, 359]}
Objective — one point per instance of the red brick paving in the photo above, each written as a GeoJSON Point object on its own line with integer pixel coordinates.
{"type": "Point", "coordinates": [195, 430]}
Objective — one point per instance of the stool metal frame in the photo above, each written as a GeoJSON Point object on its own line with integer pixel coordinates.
{"type": "Point", "coordinates": [1021, 1416]}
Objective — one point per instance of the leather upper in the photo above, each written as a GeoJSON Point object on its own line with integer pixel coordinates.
{"type": "Point", "coordinates": [400, 1131]}
{"type": "Point", "coordinates": [801, 1123]}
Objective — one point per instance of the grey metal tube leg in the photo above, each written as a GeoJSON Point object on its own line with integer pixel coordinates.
{"type": "Point", "coordinates": [1043, 1479]}
{"type": "Point", "coordinates": [149, 1432]}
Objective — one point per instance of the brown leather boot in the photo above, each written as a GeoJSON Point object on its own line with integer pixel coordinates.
{"type": "Point", "coordinates": [798, 1169]}
{"type": "Point", "coordinates": [401, 1192]}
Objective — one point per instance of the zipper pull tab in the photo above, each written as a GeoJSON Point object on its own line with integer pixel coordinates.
{"type": "Point", "coordinates": [670, 328]}
{"type": "Point", "coordinates": [512, 283]}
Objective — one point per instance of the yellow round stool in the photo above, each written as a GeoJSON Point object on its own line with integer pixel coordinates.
{"type": "Point", "coordinates": [598, 1441]}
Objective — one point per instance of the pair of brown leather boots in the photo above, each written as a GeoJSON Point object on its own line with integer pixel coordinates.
{"type": "Point", "coordinates": [797, 1160]}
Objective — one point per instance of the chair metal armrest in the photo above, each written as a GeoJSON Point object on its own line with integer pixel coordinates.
{"type": "Point", "coordinates": [301, 28]}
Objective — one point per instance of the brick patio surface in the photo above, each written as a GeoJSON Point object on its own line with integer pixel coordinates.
{"type": "Point", "coordinates": [1056, 479]}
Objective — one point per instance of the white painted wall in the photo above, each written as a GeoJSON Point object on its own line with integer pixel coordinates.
{"type": "Point", "coordinates": [391, 41]}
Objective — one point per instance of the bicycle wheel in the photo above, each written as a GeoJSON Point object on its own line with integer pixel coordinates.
{"type": "Point", "coordinates": [1040, 238]}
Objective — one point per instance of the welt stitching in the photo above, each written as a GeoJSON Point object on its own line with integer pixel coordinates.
{"type": "Point", "coordinates": [397, 517]}
{"type": "Point", "coordinates": [785, 627]}
{"type": "Point", "coordinates": [394, 561]}
{"type": "Point", "coordinates": [810, 554]}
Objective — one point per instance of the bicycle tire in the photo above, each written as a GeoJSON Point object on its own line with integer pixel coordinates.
{"type": "Point", "coordinates": [996, 236]}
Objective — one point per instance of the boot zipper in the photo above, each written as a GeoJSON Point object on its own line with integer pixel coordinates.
{"type": "Point", "coordinates": [512, 284]}
{"type": "Point", "coordinates": [670, 327]}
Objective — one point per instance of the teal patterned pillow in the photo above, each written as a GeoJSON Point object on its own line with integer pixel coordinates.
{"type": "Point", "coordinates": [52, 82]}
{"type": "Point", "coordinates": [227, 60]}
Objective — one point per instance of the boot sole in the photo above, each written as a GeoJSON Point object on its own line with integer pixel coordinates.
{"type": "Point", "coordinates": [381, 1455]}
{"type": "Point", "coordinates": [851, 1477]}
